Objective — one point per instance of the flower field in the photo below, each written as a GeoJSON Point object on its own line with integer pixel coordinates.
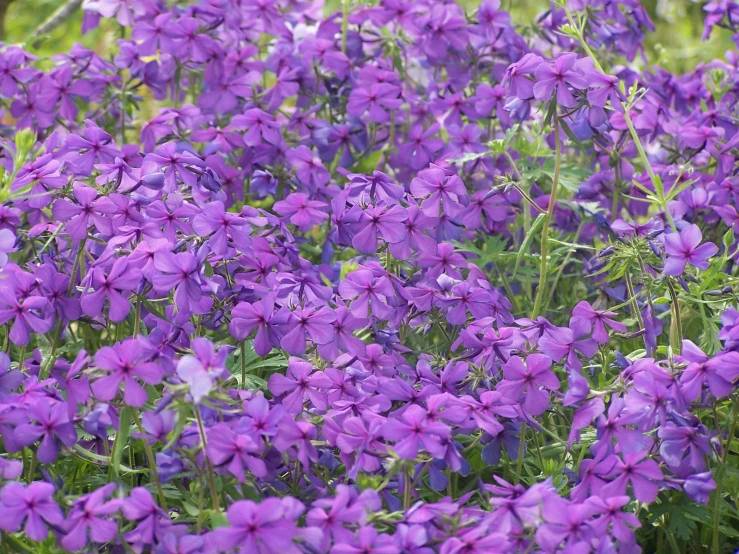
{"type": "Point", "coordinates": [389, 278]}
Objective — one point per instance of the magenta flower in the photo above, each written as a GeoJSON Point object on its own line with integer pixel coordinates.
{"type": "Point", "coordinates": [683, 249]}
{"type": "Point", "coordinates": [34, 505]}
{"type": "Point", "coordinates": [638, 471]}
{"type": "Point", "coordinates": [528, 380]}
{"type": "Point", "coordinates": [246, 317]}
{"type": "Point", "coordinates": [387, 222]}
{"type": "Point", "coordinates": [301, 211]}
{"type": "Point", "coordinates": [309, 321]}
{"type": "Point", "coordinates": [52, 426]}
{"type": "Point", "coordinates": [377, 99]}
{"type": "Point", "coordinates": [125, 362]}
{"type": "Point", "coordinates": [412, 431]}
{"type": "Point", "coordinates": [298, 385]}
{"type": "Point", "coordinates": [89, 519]}
{"type": "Point", "coordinates": [238, 452]}
{"type": "Point", "coordinates": [559, 76]}
{"type": "Point", "coordinates": [121, 278]}
{"type": "Point", "coordinates": [442, 189]}
{"type": "Point", "coordinates": [91, 210]}
{"type": "Point", "coordinates": [598, 319]}
{"type": "Point", "coordinates": [262, 528]}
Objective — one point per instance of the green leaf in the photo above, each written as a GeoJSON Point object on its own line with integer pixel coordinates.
{"type": "Point", "coordinates": [218, 519]}
{"type": "Point", "coordinates": [729, 238]}
{"type": "Point", "coordinates": [121, 440]}
{"type": "Point", "coordinates": [571, 135]}
{"type": "Point", "coordinates": [470, 157]}
{"type": "Point", "coordinates": [550, 112]}
{"type": "Point", "coordinates": [541, 218]}
{"type": "Point", "coordinates": [368, 163]}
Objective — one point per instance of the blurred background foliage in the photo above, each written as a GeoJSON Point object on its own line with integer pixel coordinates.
{"type": "Point", "coordinates": [676, 45]}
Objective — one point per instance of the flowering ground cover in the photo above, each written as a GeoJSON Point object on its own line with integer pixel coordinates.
{"type": "Point", "coordinates": [398, 279]}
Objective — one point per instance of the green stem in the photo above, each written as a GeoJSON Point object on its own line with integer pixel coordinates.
{"type": "Point", "coordinates": [406, 488]}
{"type": "Point", "coordinates": [676, 325]}
{"type": "Point", "coordinates": [211, 475]}
{"type": "Point", "coordinates": [547, 221]}
{"type": "Point", "coordinates": [137, 317]}
{"type": "Point", "coordinates": [521, 444]}
{"type": "Point", "coordinates": [21, 358]}
{"type": "Point", "coordinates": [152, 462]}
{"type": "Point", "coordinates": [243, 365]}
{"type": "Point", "coordinates": [561, 269]}
{"type": "Point", "coordinates": [632, 299]}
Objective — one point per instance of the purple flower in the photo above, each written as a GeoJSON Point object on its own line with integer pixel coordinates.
{"type": "Point", "coordinates": [35, 505]}
{"type": "Point", "coordinates": [174, 164]}
{"type": "Point", "coordinates": [121, 278]}
{"type": "Point", "coordinates": [309, 169]}
{"type": "Point", "coordinates": [377, 99]}
{"type": "Point", "coordinates": [246, 317]}
{"type": "Point", "coordinates": [641, 473]}
{"type": "Point", "coordinates": [260, 528]}
{"type": "Point", "coordinates": [560, 75]}
{"type": "Point", "coordinates": [298, 385]}
{"type": "Point", "coordinates": [369, 293]}
{"type": "Point", "coordinates": [301, 211]}
{"type": "Point", "coordinates": [442, 189]}
{"type": "Point", "coordinates": [719, 372]}
{"type": "Point", "coordinates": [420, 147]}
{"type": "Point", "coordinates": [27, 315]}
{"type": "Point", "coordinates": [309, 321]}
{"type": "Point", "coordinates": [598, 319]}
{"type": "Point", "coordinates": [179, 272]}
{"type": "Point", "coordinates": [238, 452]}
{"type": "Point", "coordinates": [683, 249]}
{"type": "Point", "coordinates": [89, 519]}
{"type": "Point", "coordinates": [387, 222]}
{"type": "Point", "coordinates": [125, 362]}
{"type": "Point", "coordinates": [527, 380]}
{"type": "Point", "coordinates": [698, 487]}
{"type": "Point", "coordinates": [413, 430]}
{"type": "Point", "coordinates": [368, 541]}
{"type": "Point", "coordinates": [52, 426]}
{"type": "Point", "coordinates": [91, 210]}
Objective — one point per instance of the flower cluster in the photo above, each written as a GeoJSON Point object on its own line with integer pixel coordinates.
{"type": "Point", "coordinates": [400, 279]}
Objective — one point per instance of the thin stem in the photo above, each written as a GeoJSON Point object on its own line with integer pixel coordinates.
{"type": "Point", "coordinates": [137, 317]}
{"type": "Point", "coordinates": [561, 270]}
{"type": "Point", "coordinates": [521, 444]}
{"type": "Point", "coordinates": [243, 365]}
{"type": "Point", "coordinates": [22, 358]}
{"type": "Point", "coordinates": [211, 475]}
{"type": "Point", "coordinates": [152, 462]}
{"type": "Point", "coordinates": [547, 221]}
{"type": "Point", "coordinates": [406, 488]}
{"type": "Point", "coordinates": [676, 337]}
